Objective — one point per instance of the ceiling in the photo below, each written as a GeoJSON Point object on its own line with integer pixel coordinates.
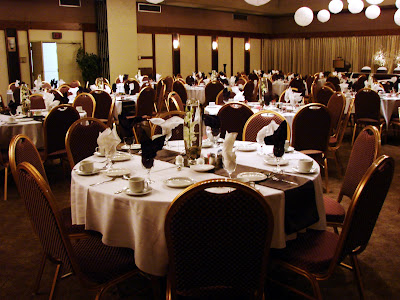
{"type": "Point", "coordinates": [273, 8]}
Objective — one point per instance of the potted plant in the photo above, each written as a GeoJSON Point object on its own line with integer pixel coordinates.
{"type": "Point", "coordinates": [89, 64]}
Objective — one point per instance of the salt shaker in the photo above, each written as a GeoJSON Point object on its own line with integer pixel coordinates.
{"type": "Point", "coordinates": [180, 162]}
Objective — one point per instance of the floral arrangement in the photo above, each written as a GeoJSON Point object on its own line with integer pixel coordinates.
{"type": "Point", "coordinates": [380, 58]}
{"type": "Point", "coordinates": [192, 129]}
{"type": "Point", "coordinates": [24, 98]}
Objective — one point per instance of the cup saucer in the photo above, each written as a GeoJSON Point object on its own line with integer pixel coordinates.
{"type": "Point", "coordinates": [95, 171]}
{"type": "Point", "coordinates": [311, 171]}
{"type": "Point", "coordinates": [144, 192]}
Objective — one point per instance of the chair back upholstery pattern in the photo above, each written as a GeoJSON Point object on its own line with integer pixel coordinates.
{"type": "Point", "coordinates": [258, 121]}
{"type": "Point", "coordinates": [208, 236]}
{"type": "Point", "coordinates": [145, 102]}
{"type": "Point", "coordinates": [311, 127]}
{"type": "Point", "coordinates": [233, 117]}
{"type": "Point", "coordinates": [81, 139]}
{"type": "Point", "coordinates": [55, 127]}
{"type": "Point", "coordinates": [367, 105]}
{"type": "Point", "coordinates": [168, 81]}
{"type": "Point", "coordinates": [211, 91]}
{"type": "Point", "coordinates": [37, 101]}
{"type": "Point", "coordinates": [87, 102]}
{"type": "Point", "coordinates": [224, 95]}
{"type": "Point", "coordinates": [22, 149]}
{"type": "Point", "coordinates": [365, 150]}
{"type": "Point", "coordinates": [181, 90]}
{"type": "Point", "coordinates": [336, 106]}
{"type": "Point", "coordinates": [366, 206]}
{"type": "Point", "coordinates": [104, 105]}
{"type": "Point", "coordinates": [177, 132]}
{"type": "Point", "coordinates": [324, 94]}
{"type": "Point", "coordinates": [64, 88]}
{"type": "Point", "coordinates": [248, 91]}
{"type": "Point", "coordinates": [174, 102]}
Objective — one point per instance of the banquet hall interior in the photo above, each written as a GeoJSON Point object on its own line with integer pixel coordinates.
{"type": "Point", "coordinates": [112, 44]}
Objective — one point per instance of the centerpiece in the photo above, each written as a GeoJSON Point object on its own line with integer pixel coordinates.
{"type": "Point", "coordinates": [192, 128]}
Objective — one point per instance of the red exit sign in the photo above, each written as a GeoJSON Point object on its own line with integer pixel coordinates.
{"type": "Point", "coordinates": [56, 35]}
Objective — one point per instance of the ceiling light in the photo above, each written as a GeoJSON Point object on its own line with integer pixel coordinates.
{"type": "Point", "coordinates": [303, 16]}
{"type": "Point", "coordinates": [247, 46]}
{"type": "Point", "coordinates": [397, 17]}
{"type": "Point", "coordinates": [256, 2]}
{"type": "Point", "coordinates": [374, 1]}
{"type": "Point", "coordinates": [175, 44]}
{"type": "Point", "coordinates": [335, 6]}
{"type": "Point", "coordinates": [155, 1]}
{"type": "Point", "coordinates": [324, 15]}
{"type": "Point", "coordinates": [372, 12]}
{"type": "Point", "coordinates": [398, 3]}
{"type": "Point", "coordinates": [355, 6]}
{"type": "Point", "coordinates": [214, 45]}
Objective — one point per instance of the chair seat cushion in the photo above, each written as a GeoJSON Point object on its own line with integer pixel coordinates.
{"type": "Point", "coordinates": [312, 251]}
{"type": "Point", "coordinates": [334, 211]}
{"type": "Point", "coordinates": [102, 263]}
{"type": "Point", "coordinates": [67, 221]}
{"type": "Point", "coordinates": [312, 152]}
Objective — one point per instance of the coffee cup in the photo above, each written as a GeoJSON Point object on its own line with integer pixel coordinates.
{"type": "Point", "coordinates": [101, 150]}
{"type": "Point", "coordinates": [137, 184]}
{"type": "Point", "coordinates": [86, 166]}
{"type": "Point", "coordinates": [211, 103]}
{"type": "Point", "coordinates": [79, 109]}
{"type": "Point", "coordinates": [305, 165]}
{"type": "Point", "coordinates": [11, 119]}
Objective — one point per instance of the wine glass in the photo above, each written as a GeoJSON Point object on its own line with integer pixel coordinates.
{"type": "Point", "coordinates": [279, 150]}
{"type": "Point", "coordinates": [109, 153]}
{"type": "Point", "coordinates": [148, 163]}
{"type": "Point", "coordinates": [229, 164]}
{"type": "Point", "coordinates": [128, 141]}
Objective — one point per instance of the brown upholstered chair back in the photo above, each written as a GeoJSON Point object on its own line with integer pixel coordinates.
{"type": "Point", "coordinates": [190, 80]}
{"type": "Point", "coordinates": [64, 88]}
{"type": "Point", "coordinates": [324, 94]}
{"type": "Point", "coordinates": [298, 84]}
{"type": "Point", "coordinates": [17, 95]}
{"type": "Point", "coordinates": [75, 83]}
{"type": "Point", "coordinates": [181, 90]}
{"type": "Point", "coordinates": [168, 81]}
{"type": "Point", "coordinates": [57, 95]}
{"type": "Point", "coordinates": [221, 97]}
{"type": "Point", "coordinates": [233, 117]}
{"type": "Point", "coordinates": [336, 106]}
{"type": "Point", "coordinates": [365, 151]}
{"type": "Point", "coordinates": [87, 130]}
{"type": "Point", "coordinates": [12, 86]}
{"type": "Point", "coordinates": [104, 105]}
{"type": "Point", "coordinates": [175, 102]}
{"type": "Point", "coordinates": [55, 127]}
{"type": "Point", "coordinates": [136, 85]}
{"type": "Point", "coordinates": [177, 132]}
{"type": "Point", "coordinates": [367, 105]}
{"type": "Point", "coordinates": [359, 84]}
{"type": "Point", "coordinates": [208, 236]}
{"type": "Point", "coordinates": [46, 85]}
{"type": "Point", "coordinates": [311, 127]}
{"type": "Point", "coordinates": [258, 121]}
{"type": "Point", "coordinates": [145, 102]}
{"type": "Point", "coordinates": [37, 101]}
{"type": "Point", "coordinates": [211, 91]}
{"type": "Point", "coordinates": [87, 102]}
{"type": "Point", "coordinates": [335, 81]}
{"type": "Point", "coordinates": [309, 82]}
{"type": "Point", "coordinates": [241, 81]}
{"type": "Point", "coordinates": [248, 91]}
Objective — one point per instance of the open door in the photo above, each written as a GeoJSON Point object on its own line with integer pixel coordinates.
{"type": "Point", "coordinates": [37, 59]}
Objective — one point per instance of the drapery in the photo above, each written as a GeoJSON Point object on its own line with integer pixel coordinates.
{"type": "Point", "coordinates": [308, 56]}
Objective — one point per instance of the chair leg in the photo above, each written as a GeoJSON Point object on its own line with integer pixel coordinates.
{"type": "Point", "coordinates": [5, 182]}
{"type": "Point", "coordinates": [326, 175]}
{"type": "Point", "coordinates": [40, 274]}
{"type": "Point", "coordinates": [338, 164]}
{"type": "Point", "coordinates": [357, 275]}
{"type": "Point", "coordinates": [354, 133]}
{"type": "Point", "coordinates": [55, 280]}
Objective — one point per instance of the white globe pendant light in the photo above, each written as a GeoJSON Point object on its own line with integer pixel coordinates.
{"type": "Point", "coordinates": [303, 16]}
{"type": "Point", "coordinates": [335, 6]}
{"type": "Point", "coordinates": [355, 6]}
{"type": "Point", "coordinates": [155, 1]}
{"type": "Point", "coordinates": [397, 17]}
{"type": "Point", "coordinates": [374, 1]}
{"type": "Point", "coordinates": [323, 15]}
{"type": "Point", "coordinates": [372, 12]}
{"type": "Point", "coordinates": [257, 2]}
{"type": "Point", "coordinates": [398, 3]}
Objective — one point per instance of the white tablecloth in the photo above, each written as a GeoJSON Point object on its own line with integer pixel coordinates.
{"type": "Point", "coordinates": [278, 86]}
{"type": "Point", "coordinates": [138, 222]}
{"type": "Point", "coordinates": [32, 129]}
{"type": "Point", "coordinates": [196, 92]}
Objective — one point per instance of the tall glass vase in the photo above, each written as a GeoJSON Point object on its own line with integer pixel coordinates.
{"type": "Point", "coordinates": [192, 130]}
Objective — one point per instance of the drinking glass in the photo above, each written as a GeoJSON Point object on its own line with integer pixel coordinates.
{"type": "Point", "coordinates": [279, 150]}
{"type": "Point", "coordinates": [148, 163]}
{"type": "Point", "coordinates": [109, 153]}
{"type": "Point", "coordinates": [229, 166]}
{"type": "Point", "coordinates": [213, 135]}
{"type": "Point", "coordinates": [128, 141]}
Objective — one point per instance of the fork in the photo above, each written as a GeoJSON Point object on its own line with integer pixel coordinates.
{"type": "Point", "coordinates": [101, 182]}
{"type": "Point", "coordinates": [273, 177]}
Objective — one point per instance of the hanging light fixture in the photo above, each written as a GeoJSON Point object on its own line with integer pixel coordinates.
{"type": "Point", "coordinates": [355, 6]}
{"type": "Point", "coordinates": [374, 1]}
{"type": "Point", "coordinates": [303, 16]}
{"type": "Point", "coordinates": [335, 6]}
{"type": "Point", "coordinates": [257, 2]}
{"type": "Point", "coordinates": [372, 12]}
{"type": "Point", "coordinates": [155, 1]}
{"type": "Point", "coordinates": [323, 15]}
{"type": "Point", "coordinates": [398, 3]}
{"type": "Point", "coordinates": [397, 17]}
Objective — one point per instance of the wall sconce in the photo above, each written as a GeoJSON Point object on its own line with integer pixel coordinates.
{"type": "Point", "coordinates": [247, 45]}
{"type": "Point", "coordinates": [214, 45]}
{"type": "Point", "coordinates": [175, 42]}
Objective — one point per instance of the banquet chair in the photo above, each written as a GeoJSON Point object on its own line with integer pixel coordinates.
{"type": "Point", "coordinates": [208, 234]}
{"type": "Point", "coordinates": [282, 96]}
{"type": "Point", "coordinates": [17, 95]}
{"type": "Point", "coordinates": [177, 132]}
{"type": "Point", "coordinates": [253, 76]}
{"type": "Point", "coordinates": [136, 85]}
{"type": "Point", "coordinates": [104, 106]}
{"type": "Point", "coordinates": [248, 91]}
{"type": "Point", "coordinates": [233, 117]}
{"type": "Point", "coordinates": [97, 266]}
{"type": "Point", "coordinates": [324, 94]}
{"type": "Point", "coordinates": [241, 80]}
{"type": "Point", "coordinates": [37, 101]}
{"type": "Point", "coordinates": [160, 99]}
{"type": "Point", "coordinates": [81, 139]}
{"type": "Point", "coordinates": [98, 79]}
{"type": "Point", "coordinates": [311, 129]}
{"type": "Point", "coordinates": [298, 83]}
{"type": "Point", "coordinates": [367, 104]}
{"type": "Point", "coordinates": [4, 164]}
{"type": "Point", "coordinates": [55, 127]}
{"type": "Point", "coordinates": [335, 81]}
{"type": "Point", "coordinates": [224, 95]}
{"type": "Point", "coordinates": [87, 102]}
{"type": "Point", "coordinates": [168, 81]}
{"type": "Point", "coordinates": [365, 150]}
{"type": "Point", "coordinates": [359, 84]}
{"type": "Point", "coordinates": [258, 121]}
{"type": "Point", "coordinates": [309, 82]}
{"type": "Point", "coordinates": [316, 253]}
{"type": "Point", "coordinates": [174, 102]}
{"type": "Point", "coordinates": [211, 91]}
{"type": "Point", "coordinates": [12, 86]}
{"type": "Point", "coordinates": [190, 80]}
{"type": "Point", "coordinates": [179, 87]}
{"type": "Point", "coordinates": [314, 91]}
{"type": "Point", "coordinates": [75, 83]}
{"type": "Point", "coordinates": [57, 95]}
{"type": "Point", "coordinates": [145, 102]}
{"type": "Point", "coordinates": [331, 85]}
{"type": "Point", "coordinates": [64, 88]}
{"type": "Point", "coordinates": [46, 85]}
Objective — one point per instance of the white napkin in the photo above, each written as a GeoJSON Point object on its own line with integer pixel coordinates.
{"type": "Point", "coordinates": [158, 77]}
{"type": "Point", "coordinates": [344, 87]}
{"type": "Point", "coordinates": [167, 125]}
{"type": "Point", "coordinates": [235, 89]}
{"type": "Point", "coordinates": [266, 131]}
{"type": "Point", "coordinates": [93, 87]}
{"type": "Point", "coordinates": [48, 100]}
{"type": "Point", "coordinates": [232, 81]}
{"type": "Point", "coordinates": [38, 82]}
{"type": "Point", "coordinates": [222, 77]}
{"type": "Point", "coordinates": [290, 77]}
{"type": "Point", "coordinates": [206, 81]}
{"type": "Point", "coordinates": [239, 96]}
{"type": "Point", "coordinates": [73, 91]}
{"type": "Point", "coordinates": [108, 139]}
{"type": "Point", "coordinates": [121, 78]}
{"type": "Point", "coordinates": [292, 97]}
{"type": "Point", "coordinates": [61, 82]}
{"type": "Point", "coordinates": [16, 83]}
{"type": "Point", "coordinates": [53, 104]}
{"type": "Point", "coordinates": [131, 87]}
{"type": "Point", "coordinates": [393, 79]}
{"type": "Point", "coordinates": [107, 89]}
{"type": "Point", "coordinates": [377, 87]}
{"type": "Point", "coordinates": [321, 75]}
{"type": "Point", "coordinates": [19, 110]}
{"type": "Point", "coordinates": [120, 88]}
{"type": "Point", "coordinates": [339, 75]}
{"type": "Point", "coordinates": [228, 156]}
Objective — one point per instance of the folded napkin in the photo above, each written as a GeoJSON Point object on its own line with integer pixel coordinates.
{"type": "Point", "coordinates": [38, 82]}
{"type": "Point", "coordinates": [232, 81]}
{"type": "Point", "coordinates": [167, 125]}
{"type": "Point", "coordinates": [266, 131]}
{"type": "Point", "coordinates": [376, 87]}
{"type": "Point", "coordinates": [321, 75]}
{"type": "Point", "coordinates": [121, 78]}
{"type": "Point", "coordinates": [93, 87]}
{"type": "Point", "coordinates": [334, 73]}
{"type": "Point", "coordinates": [278, 138]}
{"type": "Point", "coordinates": [290, 77]}
{"type": "Point", "coordinates": [344, 87]}
{"type": "Point", "coordinates": [107, 89]}
{"type": "Point", "coordinates": [239, 96]}
{"type": "Point", "coordinates": [292, 97]}
{"type": "Point", "coordinates": [131, 87]}
{"type": "Point", "coordinates": [228, 156]}
{"type": "Point", "coordinates": [150, 148]}
{"type": "Point", "coordinates": [235, 89]}
{"type": "Point", "coordinates": [109, 140]}
{"type": "Point", "coordinates": [158, 77]}
{"type": "Point", "coordinates": [120, 88]}
{"type": "Point", "coordinates": [339, 75]}
{"type": "Point", "coordinates": [73, 91]}
{"type": "Point", "coordinates": [16, 83]}
{"type": "Point", "coordinates": [49, 100]}
{"type": "Point", "coordinates": [222, 77]}
{"type": "Point", "coordinates": [206, 81]}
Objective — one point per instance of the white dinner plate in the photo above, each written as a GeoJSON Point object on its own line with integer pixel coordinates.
{"type": "Point", "coordinates": [179, 182]}
{"type": "Point", "coordinates": [252, 176]}
{"type": "Point", "coordinates": [79, 172]}
{"type": "Point", "coordinates": [121, 156]}
{"type": "Point", "coordinates": [272, 161]}
{"type": "Point", "coordinates": [99, 154]}
{"type": "Point", "coordinates": [290, 149]}
{"type": "Point", "coordinates": [133, 147]}
{"type": "Point", "coordinates": [202, 168]}
{"type": "Point", "coordinates": [11, 123]}
{"type": "Point", "coordinates": [207, 144]}
{"type": "Point", "coordinates": [247, 148]}
{"type": "Point", "coordinates": [144, 192]}
{"type": "Point", "coordinates": [312, 170]}
{"type": "Point", "coordinates": [26, 119]}
{"type": "Point", "coordinates": [117, 172]}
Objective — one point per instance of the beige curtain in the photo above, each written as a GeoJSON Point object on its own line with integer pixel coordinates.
{"type": "Point", "coordinates": [308, 56]}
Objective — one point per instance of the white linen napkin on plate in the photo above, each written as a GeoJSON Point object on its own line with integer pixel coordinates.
{"type": "Point", "coordinates": [120, 88]}
{"type": "Point", "coordinates": [121, 78]}
{"type": "Point", "coordinates": [107, 89]}
{"type": "Point", "coordinates": [167, 125]}
{"type": "Point", "coordinates": [48, 100]}
{"type": "Point", "coordinates": [228, 156]}
{"type": "Point", "coordinates": [239, 96]}
{"type": "Point", "coordinates": [266, 131]}
{"type": "Point", "coordinates": [344, 87]}
{"type": "Point", "coordinates": [108, 139]}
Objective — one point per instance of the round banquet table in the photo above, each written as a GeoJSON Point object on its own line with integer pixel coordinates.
{"type": "Point", "coordinates": [138, 222]}
{"type": "Point", "coordinates": [197, 92]}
